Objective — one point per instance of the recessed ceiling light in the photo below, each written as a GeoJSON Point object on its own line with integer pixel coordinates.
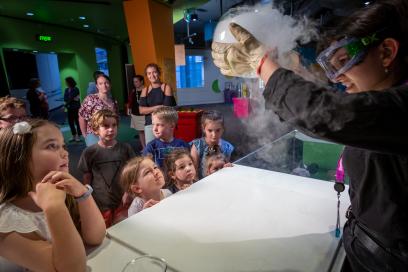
{"type": "Point", "coordinates": [86, 26]}
{"type": "Point", "coordinates": [82, 17]}
{"type": "Point", "coordinates": [367, 3]}
{"type": "Point", "coordinates": [52, 52]}
{"type": "Point", "coordinates": [35, 51]}
{"type": "Point", "coordinates": [30, 14]}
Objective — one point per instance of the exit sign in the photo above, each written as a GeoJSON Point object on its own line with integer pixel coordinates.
{"type": "Point", "coordinates": [44, 38]}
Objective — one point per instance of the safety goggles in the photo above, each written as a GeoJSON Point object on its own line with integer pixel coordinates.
{"type": "Point", "coordinates": [13, 119]}
{"type": "Point", "coordinates": [339, 57]}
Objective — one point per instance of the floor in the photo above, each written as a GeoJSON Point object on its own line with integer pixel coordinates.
{"type": "Point", "coordinates": [245, 134]}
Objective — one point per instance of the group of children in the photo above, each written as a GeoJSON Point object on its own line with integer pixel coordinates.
{"type": "Point", "coordinates": [124, 184]}
{"type": "Point", "coordinates": [46, 214]}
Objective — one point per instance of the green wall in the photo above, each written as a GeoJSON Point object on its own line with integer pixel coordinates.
{"type": "Point", "coordinates": [75, 49]}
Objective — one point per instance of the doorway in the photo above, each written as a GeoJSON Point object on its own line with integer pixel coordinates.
{"type": "Point", "coordinates": [22, 65]}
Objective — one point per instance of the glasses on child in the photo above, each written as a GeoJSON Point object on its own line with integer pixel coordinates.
{"type": "Point", "coordinates": [12, 118]}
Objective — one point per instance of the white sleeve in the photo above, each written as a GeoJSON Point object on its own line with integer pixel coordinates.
{"type": "Point", "coordinates": [136, 206]}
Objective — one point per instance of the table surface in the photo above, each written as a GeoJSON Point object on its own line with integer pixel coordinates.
{"type": "Point", "coordinates": [238, 219]}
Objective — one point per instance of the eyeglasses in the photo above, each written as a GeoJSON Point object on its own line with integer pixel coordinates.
{"type": "Point", "coordinates": [13, 119]}
{"type": "Point", "coordinates": [344, 54]}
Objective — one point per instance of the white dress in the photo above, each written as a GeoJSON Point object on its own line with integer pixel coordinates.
{"type": "Point", "coordinates": [137, 203]}
{"type": "Point", "coordinates": [13, 218]}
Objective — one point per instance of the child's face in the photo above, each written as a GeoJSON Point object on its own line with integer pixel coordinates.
{"type": "Point", "coordinates": [161, 129]}
{"type": "Point", "coordinates": [108, 130]}
{"type": "Point", "coordinates": [185, 171]}
{"type": "Point", "coordinates": [150, 179]}
{"type": "Point", "coordinates": [213, 131]}
{"type": "Point", "coordinates": [215, 166]}
{"type": "Point", "coordinates": [49, 153]}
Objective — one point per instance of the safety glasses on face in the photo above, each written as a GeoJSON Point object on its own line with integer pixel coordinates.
{"type": "Point", "coordinates": [339, 57]}
{"type": "Point", "coordinates": [13, 119]}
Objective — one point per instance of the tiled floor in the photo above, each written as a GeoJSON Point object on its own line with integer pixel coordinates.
{"type": "Point", "coordinates": [245, 134]}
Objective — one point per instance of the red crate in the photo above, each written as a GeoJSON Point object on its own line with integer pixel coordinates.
{"type": "Point", "coordinates": [189, 125]}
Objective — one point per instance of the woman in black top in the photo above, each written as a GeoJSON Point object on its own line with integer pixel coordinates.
{"type": "Point", "coordinates": [153, 96]}
{"type": "Point", "coordinates": [137, 120]}
{"type": "Point", "coordinates": [72, 103]}
{"type": "Point", "coordinates": [369, 56]}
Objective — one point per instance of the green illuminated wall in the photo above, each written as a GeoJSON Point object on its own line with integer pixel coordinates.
{"type": "Point", "coordinates": [75, 49]}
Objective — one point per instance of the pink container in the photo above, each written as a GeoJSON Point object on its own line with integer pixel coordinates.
{"type": "Point", "coordinates": [241, 107]}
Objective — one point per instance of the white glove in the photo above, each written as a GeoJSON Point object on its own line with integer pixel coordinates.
{"type": "Point", "coordinates": [241, 58]}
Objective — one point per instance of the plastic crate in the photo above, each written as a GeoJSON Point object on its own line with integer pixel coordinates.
{"type": "Point", "coordinates": [189, 125]}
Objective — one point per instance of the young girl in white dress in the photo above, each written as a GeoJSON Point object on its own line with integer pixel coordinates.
{"type": "Point", "coordinates": [142, 179]}
{"type": "Point", "coordinates": [46, 215]}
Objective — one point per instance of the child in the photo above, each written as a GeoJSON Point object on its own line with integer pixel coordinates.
{"type": "Point", "coordinates": [164, 120]}
{"type": "Point", "coordinates": [212, 124]}
{"type": "Point", "coordinates": [215, 162]}
{"type": "Point", "coordinates": [101, 164]}
{"type": "Point", "coordinates": [180, 170]}
{"type": "Point", "coordinates": [142, 178]}
{"type": "Point", "coordinates": [12, 110]}
{"type": "Point", "coordinates": [42, 206]}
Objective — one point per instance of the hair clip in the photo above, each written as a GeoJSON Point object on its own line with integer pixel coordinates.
{"type": "Point", "coordinates": [21, 128]}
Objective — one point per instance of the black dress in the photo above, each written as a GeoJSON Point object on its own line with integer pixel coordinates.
{"type": "Point", "coordinates": [156, 97]}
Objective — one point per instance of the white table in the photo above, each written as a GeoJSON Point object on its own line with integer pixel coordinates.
{"type": "Point", "coordinates": [238, 219]}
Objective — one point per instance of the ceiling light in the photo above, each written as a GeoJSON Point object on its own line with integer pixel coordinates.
{"type": "Point", "coordinates": [194, 17]}
{"type": "Point", "coordinates": [30, 14]}
{"type": "Point", "coordinates": [35, 51]}
{"type": "Point", "coordinates": [367, 3]}
{"type": "Point", "coordinates": [82, 17]}
{"type": "Point", "coordinates": [86, 26]}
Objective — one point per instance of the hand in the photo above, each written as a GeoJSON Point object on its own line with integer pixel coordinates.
{"type": "Point", "coordinates": [47, 195]}
{"type": "Point", "coordinates": [228, 164]}
{"type": "Point", "coordinates": [150, 203]}
{"type": "Point", "coordinates": [185, 186]}
{"type": "Point", "coordinates": [241, 58]}
{"type": "Point", "coordinates": [129, 111]}
{"type": "Point", "coordinates": [64, 181]}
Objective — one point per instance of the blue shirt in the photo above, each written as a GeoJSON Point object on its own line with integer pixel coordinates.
{"type": "Point", "coordinates": [202, 148]}
{"type": "Point", "coordinates": [160, 149]}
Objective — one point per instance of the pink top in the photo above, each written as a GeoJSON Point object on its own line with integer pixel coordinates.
{"type": "Point", "coordinates": [91, 104]}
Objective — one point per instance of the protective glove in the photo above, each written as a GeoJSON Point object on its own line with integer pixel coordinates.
{"type": "Point", "coordinates": [241, 58]}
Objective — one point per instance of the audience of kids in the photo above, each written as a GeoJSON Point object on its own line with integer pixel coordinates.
{"type": "Point", "coordinates": [46, 214]}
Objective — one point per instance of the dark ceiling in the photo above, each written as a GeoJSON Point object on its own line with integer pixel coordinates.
{"type": "Point", "coordinates": [106, 17]}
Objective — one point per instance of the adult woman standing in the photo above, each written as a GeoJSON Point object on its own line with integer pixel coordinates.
{"type": "Point", "coordinates": [93, 103]}
{"type": "Point", "coordinates": [369, 56]}
{"type": "Point", "coordinates": [137, 120]}
{"type": "Point", "coordinates": [153, 96]}
{"type": "Point", "coordinates": [37, 99]}
{"type": "Point", "coordinates": [71, 98]}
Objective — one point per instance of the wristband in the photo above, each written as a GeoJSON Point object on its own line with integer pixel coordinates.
{"type": "Point", "coordinates": [85, 195]}
{"type": "Point", "coordinates": [258, 71]}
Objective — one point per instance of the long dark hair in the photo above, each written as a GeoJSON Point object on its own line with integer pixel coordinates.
{"type": "Point", "coordinates": [70, 82]}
